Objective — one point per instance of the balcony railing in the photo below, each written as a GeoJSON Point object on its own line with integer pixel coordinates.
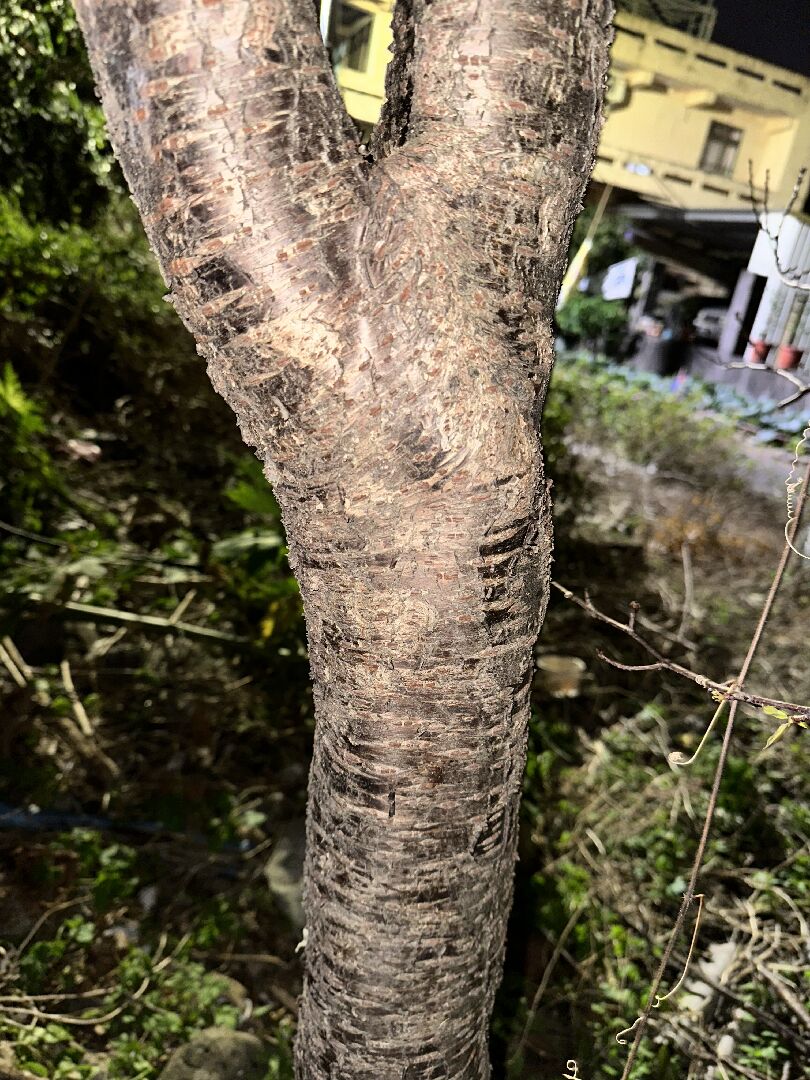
{"type": "Point", "coordinates": [690, 16]}
{"type": "Point", "coordinates": [662, 179]}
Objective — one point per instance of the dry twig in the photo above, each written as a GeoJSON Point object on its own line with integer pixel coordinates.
{"type": "Point", "coordinates": [792, 276]}
{"type": "Point", "coordinates": [786, 993]}
{"type": "Point", "coordinates": [727, 691]}
{"type": "Point", "coordinates": [79, 711]}
{"type": "Point", "coordinates": [547, 973]}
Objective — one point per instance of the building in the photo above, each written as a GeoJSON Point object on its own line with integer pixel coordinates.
{"type": "Point", "coordinates": [359, 35]}
{"type": "Point", "coordinates": [693, 125]}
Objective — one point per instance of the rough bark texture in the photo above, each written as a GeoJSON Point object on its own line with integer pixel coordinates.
{"type": "Point", "coordinates": [383, 333]}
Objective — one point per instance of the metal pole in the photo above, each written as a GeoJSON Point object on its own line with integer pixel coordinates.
{"type": "Point", "coordinates": [577, 265]}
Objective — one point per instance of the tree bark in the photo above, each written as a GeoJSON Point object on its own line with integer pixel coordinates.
{"type": "Point", "coordinates": [382, 331]}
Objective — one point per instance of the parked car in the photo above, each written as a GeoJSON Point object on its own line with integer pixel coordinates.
{"type": "Point", "coordinates": [708, 324]}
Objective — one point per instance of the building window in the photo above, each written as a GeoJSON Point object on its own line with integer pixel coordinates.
{"type": "Point", "coordinates": [721, 149]}
{"type": "Point", "coordinates": [351, 33]}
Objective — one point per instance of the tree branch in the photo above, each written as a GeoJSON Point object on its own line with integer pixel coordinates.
{"type": "Point", "coordinates": [802, 388]}
{"type": "Point", "coordinates": [244, 165]}
{"type": "Point", "coordinates": [795, 277]}
{"type": "Point", "coordinates": [507, 67]}
{"type": "Point", "coordinates": [392, 129]}
{"type": "Point", "coordinates": [728, 691]}
{"type": "Point", "coordinates": [697, 864]}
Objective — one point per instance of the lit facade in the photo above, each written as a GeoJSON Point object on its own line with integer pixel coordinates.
{"type": "Point", "coordinates": [686, 119]}
{"type": "Point", "coordinates": [360, 36]}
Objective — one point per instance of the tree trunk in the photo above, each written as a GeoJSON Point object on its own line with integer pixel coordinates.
{"type": "Point", "coordinates": [383, 333]}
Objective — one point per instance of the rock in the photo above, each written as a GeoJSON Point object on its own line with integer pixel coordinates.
{"type": "Point", "coordinates": [8, 1068]}
{"type": "Point", "coordinates": [218, 1054]}
{"type": "Point", "coordinates": [235, 992]}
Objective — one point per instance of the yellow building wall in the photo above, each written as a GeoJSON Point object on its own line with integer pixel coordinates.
{"type": "Point", "coordinates": [665, 90]}
{"type": "Point", "coordinates": [364, 91]}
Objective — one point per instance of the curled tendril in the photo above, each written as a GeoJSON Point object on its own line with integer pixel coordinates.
{"type": "Point", "coordinates": [680, 761]}
{"type": "Point", "coordinates": [793, 483]}
{"type": "Point", "coordinates": [627, 1031]}
{"type": "Point", "coordinates": [659, 999]}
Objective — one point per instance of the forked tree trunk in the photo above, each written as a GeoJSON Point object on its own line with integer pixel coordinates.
{"type": "Point", "coordinates": [383, 333]}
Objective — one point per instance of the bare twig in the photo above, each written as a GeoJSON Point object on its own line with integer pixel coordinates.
{"type": "Point", "coordinates": [793, 276]}
{"type": "Point", "coordinates": [792, 485]}
{"type": "Point", "coordinates": [12, 530]}
{"type": "Point", "coordinates": [766, 1018]}
{"type": "Point", "coordinates": [16, 656]}
{"type": "Point", "coordinates": [182, 607]}
{"type": "Point", "coordinates": [283, 997]}
{"type": "Point", "coordinates": [88, 748]}
{"type": "Point", "coordinates": [240, 958]}
{"type": "Point", "coordinates": [84, 738]}
{"type": "Point", "coordinates": [119, 557]}
{"type": "Point", "coordinates": [786, 993]}
{"type": "Point", "coordinates": [32, 933]}
{"type": "Point", "coordinates": [802, 388]}
{"type": "Point", "coordinates": [113, 615]}
{"type": "Point", "coordinates": [79, 711]}
{"type": "Point", "coordinates": [79, 1021]}
{"type": "Point", "coordinates": [13, 669]}
{"type": "Point", "coordinates": [6, 999]}
{"type": "Point", "coordinates": [158, 963]}
{"type": "Point", "coordinates": [701, 1046]}
{"type": "Point", "coordinates": [728, 691]}
{"type": "Point", "coordinates": [661, 998]}
{"type": "Point", "coordinates": [688, 589]}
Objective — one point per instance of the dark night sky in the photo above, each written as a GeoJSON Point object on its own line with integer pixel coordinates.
{"type": "Point", "coordinates": [773, 30]}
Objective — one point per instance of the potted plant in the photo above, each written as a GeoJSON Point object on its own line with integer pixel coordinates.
{"type": "Point", "coordinates": [788, 357]}
{"type": "Point", "coordinates": [759, 351]}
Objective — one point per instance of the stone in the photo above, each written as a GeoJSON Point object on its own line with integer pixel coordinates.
{"type": "Point", "coordinates": [218, 1054]}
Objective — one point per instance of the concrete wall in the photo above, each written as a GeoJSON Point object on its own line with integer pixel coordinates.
{"type": "Point", "coordinates": [667, 88]}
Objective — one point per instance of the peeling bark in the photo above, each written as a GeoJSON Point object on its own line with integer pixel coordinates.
{"type": "Point", "coordinates": [383, 334]}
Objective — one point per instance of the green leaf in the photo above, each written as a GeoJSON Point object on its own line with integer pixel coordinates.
{"type": "Point", "coordinates": [777, 735]}
{"type": "Point", "coordinates": [252, 497]}
{"type": "Point", "coordinates": [34, 1067]}
{"type": "Point", "coordinates": [771, 710]}
{"type": "Point", "coordinates": [232, 547]}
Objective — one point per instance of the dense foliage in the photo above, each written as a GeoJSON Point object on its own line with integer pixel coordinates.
{"type": "Point", "coordinates": [54, 155]}
{"type": "Point", "coordinates": [593, 321]}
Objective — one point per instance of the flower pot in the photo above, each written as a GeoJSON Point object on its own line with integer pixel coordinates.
{"type": "Point", "coordinates": [788, 357]}
{"type": "Point", "coordinates": [759, 351]}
